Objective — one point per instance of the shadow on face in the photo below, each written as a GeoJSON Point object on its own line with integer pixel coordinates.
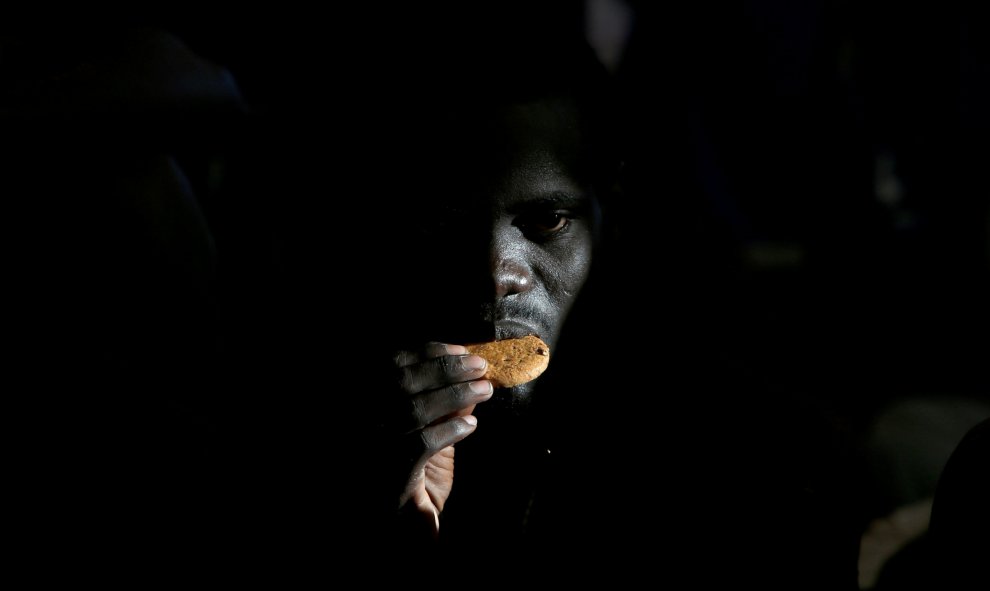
{"type": "Point", "coordinates": [487, 201]}
{"type": "Point", "coordinates": [497, 227]}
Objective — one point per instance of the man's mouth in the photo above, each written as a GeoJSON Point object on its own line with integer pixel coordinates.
{"type": "Point", "coordinates": [512, 329]}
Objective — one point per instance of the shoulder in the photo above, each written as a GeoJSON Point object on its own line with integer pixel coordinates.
{"type": "Point", "coordinates": [961, 512]}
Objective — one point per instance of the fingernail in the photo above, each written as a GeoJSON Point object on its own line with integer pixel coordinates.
{"type": "Point", "coordinates": [455, 349]}
{"type": "Point", "coordinates": [470, 420]}
{"type": "Point", "coordinates": [473, 362]}
{"type": "Point", "coordinates": [481, 387]}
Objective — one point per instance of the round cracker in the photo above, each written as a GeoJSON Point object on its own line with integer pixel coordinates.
{"type": "Point", "coordinates": [513, 361]}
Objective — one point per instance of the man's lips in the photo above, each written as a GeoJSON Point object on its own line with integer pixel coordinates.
{"type": "Point", "coordinates": [511, 329]}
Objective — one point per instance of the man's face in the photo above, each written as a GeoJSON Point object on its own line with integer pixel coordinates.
{"type": "Point", "coordinates": [508, 229]}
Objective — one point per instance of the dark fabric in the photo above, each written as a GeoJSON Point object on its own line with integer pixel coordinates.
{"type": "Point", "coordinates": [652, 461]}
{"type": "Point", "coordinates": [960, 525]}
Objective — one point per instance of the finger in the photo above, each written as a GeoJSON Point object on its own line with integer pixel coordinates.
{"type": "Point", "coordinates": [442, 435]}
{"type": "Point", "coordinates": [440, 371]}
{"type": "Point", "coordinates": [429, 351]}
{"type": "Point", "coordinates": [429, 407]}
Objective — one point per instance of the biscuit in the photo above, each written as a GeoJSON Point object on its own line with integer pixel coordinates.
{"type": "Point", "coordinates": [513, 361]}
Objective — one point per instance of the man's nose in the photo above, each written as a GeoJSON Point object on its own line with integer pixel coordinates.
{"type": "Point", "coordinates": [511, 273]}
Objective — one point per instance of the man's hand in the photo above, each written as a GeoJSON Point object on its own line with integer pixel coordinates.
{"type": "Point", "coordinates": [438, 388]}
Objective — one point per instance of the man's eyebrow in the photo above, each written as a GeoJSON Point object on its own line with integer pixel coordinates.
{"type": "Point", "coordinates": [552, 200]}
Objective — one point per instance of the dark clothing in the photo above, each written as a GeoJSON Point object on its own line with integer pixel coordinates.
{"type": "Point", "coordinates": [667, 467]}
{"type": "Point", "coordinates": [960, 527]}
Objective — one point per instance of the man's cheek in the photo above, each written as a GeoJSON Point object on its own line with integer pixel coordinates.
{"type": "Point", "coordinates": [576, 272]}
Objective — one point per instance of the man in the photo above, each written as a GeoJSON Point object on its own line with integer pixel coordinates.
{"type": "Point", "coordinates": [496, 242]}
{"type": "Point", "coordinates": [621, 459]}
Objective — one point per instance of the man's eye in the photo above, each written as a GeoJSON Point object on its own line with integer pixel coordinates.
{"type": "Point", "coordinates": [544, 224]}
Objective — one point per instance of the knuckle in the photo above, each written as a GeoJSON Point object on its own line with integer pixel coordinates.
{"type": "Point", "coordinates": [446, 365]}
{"type": "Point", "coordinates": [405, 357]}
{"type": "Point", "coordinates": [405, 380]}
{"type": "Point", "coordinates": [418, 409]}
{"type": "Point", "coordinates": [431, 440]}
{"type": "Point", "coordinates": [459, 394]}
{"type": "Point", "coordinates": [435, 349]}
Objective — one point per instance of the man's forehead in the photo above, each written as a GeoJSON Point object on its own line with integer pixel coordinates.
{"type": "Point", "coordinates": [528, 178]}
{"type": "Point", "coordinates": [540, 175]}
